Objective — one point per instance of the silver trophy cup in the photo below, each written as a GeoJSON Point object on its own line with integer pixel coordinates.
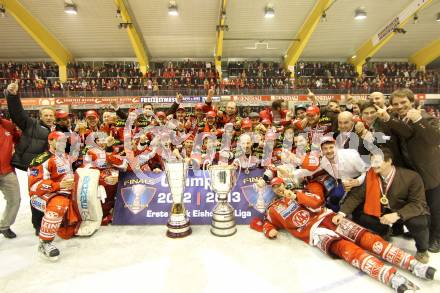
{"type": "Point", "coordinates": [178, 222]}
{"type": "Point", "coordinates": [223, 179]}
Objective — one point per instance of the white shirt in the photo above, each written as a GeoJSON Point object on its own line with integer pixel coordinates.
{"type": "Point", "coordinates": [348, 164]}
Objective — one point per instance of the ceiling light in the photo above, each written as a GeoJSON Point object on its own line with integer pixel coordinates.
{"type": "Point", "coordinates": [360, 14]}
{"type": "Point", "coordinates": [2, 11]}
{"type": "Point", "coordinates": [438, 17]}
{"type": "Point", "coordinates": [269, 12]}
{"type": "Point", "coordinates": [70, 8]}
{"type": "Point", "coordinates": [118, 13]}
{"type": "Point", "coordinates": [172, 8]}
{"type": "Point", "coordinates": [353, 57]}
{"type": "Point", "coordinates": [324, 17]}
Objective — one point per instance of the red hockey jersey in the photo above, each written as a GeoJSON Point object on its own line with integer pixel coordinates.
{"type": "Point", "coordinates": [46, 172]}
{"type": "Point", "coordinates": [297, 216]}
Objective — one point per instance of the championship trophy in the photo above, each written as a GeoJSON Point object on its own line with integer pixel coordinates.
{"type": "Point", "coordinates": [178, 223]}
{"type": "Point", "coordinates": [223, 179]}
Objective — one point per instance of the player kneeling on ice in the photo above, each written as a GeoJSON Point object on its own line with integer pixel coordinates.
{"type": "Point", "coordinates": [50, 186]}
{"type": "Point", "coordinates": [303, 214]}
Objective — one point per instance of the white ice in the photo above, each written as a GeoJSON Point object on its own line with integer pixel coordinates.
{"type": "Point", "coordinates": [143, 259]}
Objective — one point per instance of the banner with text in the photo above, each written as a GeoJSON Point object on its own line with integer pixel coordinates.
{"type": "Point", "coordinates": [148, 200]}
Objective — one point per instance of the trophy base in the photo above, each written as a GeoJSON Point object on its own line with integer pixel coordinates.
{"type": "Point", "coordinates": [223, 220]}
{"type": "Point", "coordinates": [223, 232]}
{"type": "Point", "coordinates": [178, 226]}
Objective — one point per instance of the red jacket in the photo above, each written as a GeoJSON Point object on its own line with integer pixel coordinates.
{"type": "Point", "coordinates": [9, 136]}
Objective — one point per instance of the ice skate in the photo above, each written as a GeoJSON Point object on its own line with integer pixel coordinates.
{"type": "Point", "coordinates": [402, 285]}
{"type": "Point", "coordinates": [48, 250]}
{"type": "Point", "coordinates": [423, 271]}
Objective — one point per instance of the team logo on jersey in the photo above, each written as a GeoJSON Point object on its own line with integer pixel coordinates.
{"type": "Point", "coordinates": [137, 197]}
{"type": "Point", "coordinates": [258, 198]}
{"type": "Point", "coordinates": [301, 218]}
{"type": "Point", "coordinates": [46, 186]}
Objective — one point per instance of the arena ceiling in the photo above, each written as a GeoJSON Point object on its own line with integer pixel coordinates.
{"type": "Point", "coordinates": [93, 32]}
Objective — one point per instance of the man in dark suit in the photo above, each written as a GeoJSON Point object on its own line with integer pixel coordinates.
{"type": "Point", "coordinates": [419, 136]}
{"type": "Point", "coordinates": [351, 133]}
{"type": "Point", "coordinates": [390, 195]}
{"type": "Point", "coordinates": [382, 135]}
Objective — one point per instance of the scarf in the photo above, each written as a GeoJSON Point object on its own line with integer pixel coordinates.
{"type": "Point", "coordinates": [372, 205]}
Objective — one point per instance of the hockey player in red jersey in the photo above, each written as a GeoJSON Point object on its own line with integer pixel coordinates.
{"type": "Point", "coordinates": [303, 215]}
{"type": "Point", "coordinates": [50, 186]}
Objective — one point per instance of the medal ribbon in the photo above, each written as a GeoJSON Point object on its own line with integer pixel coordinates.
{"type": "Point", "coordinates": [389, 180]}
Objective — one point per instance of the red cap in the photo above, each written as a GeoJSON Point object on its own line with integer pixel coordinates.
{"type": "Point", "coordinates": [266, 122]}
{"type": "Point", "coordinates": [211, 114]}
{"type": "Point", "coordinates": [326, 139]}
{"type": "Point", "coordinates": [161, 114]}
{"type": "Point", "coordinates": [55, 135]}
{"type": "Point", "coordinates": [181, 108]}
{"type": "Point", "coordinates": [92, 113]}
{"type": "Point", "coordinates": [246, 123]}
{"type": "Point", "coordinates": [313, 110]}
{"type": "Point", "coordinates": [60, 114]}
{"type": "Point", "coordinates": [276, 181]}
{"type": "Point", "coordinates": [200, 106]}
{"type": "Point", "coordinates": [131, 109]}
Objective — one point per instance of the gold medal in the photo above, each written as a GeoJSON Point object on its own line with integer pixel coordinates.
{"type": "Point", "coordinates": [384, 200]}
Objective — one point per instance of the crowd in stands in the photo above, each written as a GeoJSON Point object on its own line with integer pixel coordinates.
{"type": "Point", "coordinates": [196, 77]}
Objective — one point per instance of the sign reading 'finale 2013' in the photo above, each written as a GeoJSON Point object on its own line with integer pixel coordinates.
{"type": "Point", "coordinates": [147, 200]}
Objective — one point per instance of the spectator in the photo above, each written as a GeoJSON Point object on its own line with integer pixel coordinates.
{"type": "Point", "coordinates": [33, 140]}
{"type": "Point", "coordinates": [9, 136]}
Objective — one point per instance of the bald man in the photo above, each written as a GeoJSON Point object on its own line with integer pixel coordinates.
{"type": "Point", "coordinates": [230, 115]}
{"type": "Point", "coordinates": [351, 133]}
{"type": "Point", "coordinates": [378, 99]}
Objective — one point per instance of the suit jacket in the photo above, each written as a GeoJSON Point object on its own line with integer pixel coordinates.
{"type": "Point", "coordinates": [384, 136]}
{"type": "Point", "coordinates": [351, 140]}
{"type": "Point", "coordinates": [420, 146]}
{"type": "Point", "coordinates": [406, 195]}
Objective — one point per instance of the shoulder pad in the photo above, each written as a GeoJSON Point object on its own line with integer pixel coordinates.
{"type": "Point", "coordinates": [142, 122]}
{"type": "Point", "coordinates": [324, 119]}
{"type": "Point", "coordinates": [40, 159]}
{"type": "Point", "coordinates": [120, 123]}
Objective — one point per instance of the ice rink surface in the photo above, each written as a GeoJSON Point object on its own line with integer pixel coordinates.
{"type": "Point", "coordinates": [143, 259]}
